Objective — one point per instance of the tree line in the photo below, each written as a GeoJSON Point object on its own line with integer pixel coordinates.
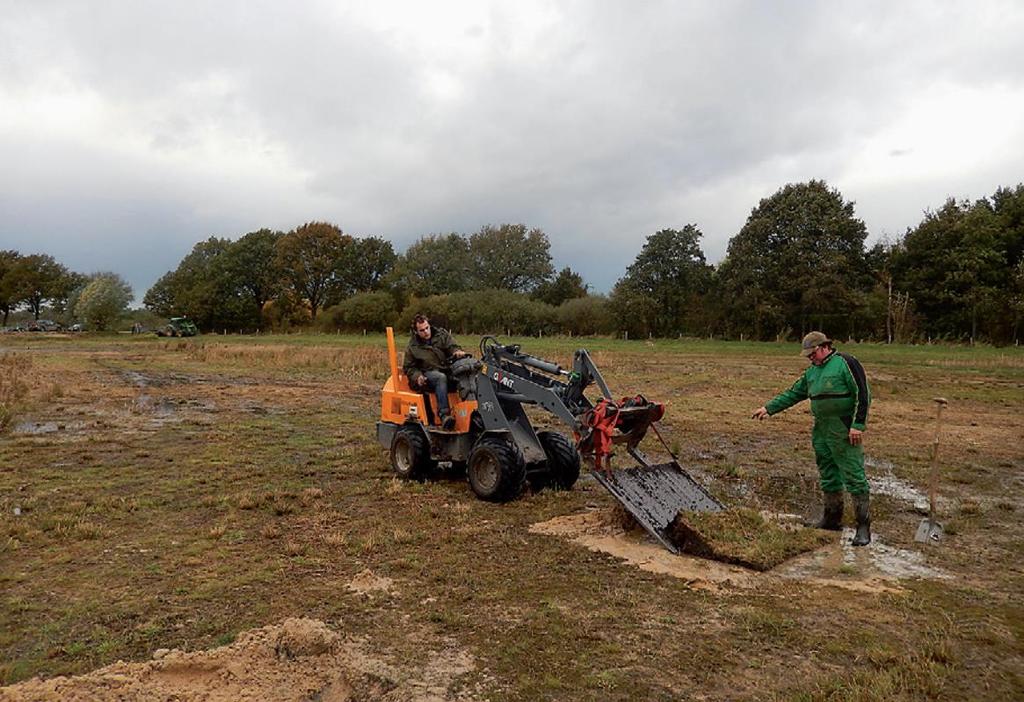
{"type": "Point", "coordinates": [798, 263]}
{"type": "Point", "coordinates": [38, 282]}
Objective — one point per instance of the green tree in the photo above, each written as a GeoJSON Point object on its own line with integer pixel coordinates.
{"type": "Point", "coordinates": [103, 301]}
{"type": "Point", "coordinates": [363, 311]}
{"type": "Point", "coordinates": [953, 264]}
{"type": "Point", "coordinates": [492, 311]}
{"type": "Point", "coordinates": [38, 279]}
{"type": "Point", "coordinates": [9, 293]}
{"type": "Point", "coordinates": [160, 298]}
{"type": "Point", "coordinates": [435, 264]}
{"type": "Point", "coordinates": [251, 266]}
{"type": "Point", "coordinates": [200, 288]}
{"type": "Point", "coordinates": [363, 267]}
{"type": "Point", "coordinates": [582, 316]}
{"type": "Point", "coordinates": [310, 257]}
{"type": "Point", "coordinates": [1008, 205]}
{"type": "Point", "coordinates": [671, 273]}
{"type": "Point", "coordinates": [797, 263]}
{"type": "Point", "coordinates": [510, 257]}
{"type": "Point", "coordinates": [565, 286]}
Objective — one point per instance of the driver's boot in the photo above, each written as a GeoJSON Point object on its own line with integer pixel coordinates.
{"type": "Point", "coordinates": [447, 421]}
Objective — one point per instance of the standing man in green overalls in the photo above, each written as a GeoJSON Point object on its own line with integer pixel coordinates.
{"type": "Point", "coordinates": [838, 389]}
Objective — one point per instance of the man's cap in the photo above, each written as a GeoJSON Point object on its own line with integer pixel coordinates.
{"type": "Point", "coordinates": [813, 341]}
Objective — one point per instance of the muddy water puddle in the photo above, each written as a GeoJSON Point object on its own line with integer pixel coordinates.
{"type": "Point", "coordinates": [874, 568]}
{"type": "Point", "coordinates": [31, 428]}
{"type": "Point", "coordinates": [876, 560]}
{"type": "Point", "coordinates": [883, 481]}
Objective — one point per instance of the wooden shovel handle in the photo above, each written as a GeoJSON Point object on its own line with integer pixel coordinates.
{"type": "Point", "coordinates": [933, 478]}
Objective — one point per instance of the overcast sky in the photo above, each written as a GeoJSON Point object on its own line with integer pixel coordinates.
{"type": "Point", "coordinates": [131, 130]}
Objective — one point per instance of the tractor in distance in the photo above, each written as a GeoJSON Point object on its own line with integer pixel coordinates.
{"type": "Point", "coordinates": [178, 326]}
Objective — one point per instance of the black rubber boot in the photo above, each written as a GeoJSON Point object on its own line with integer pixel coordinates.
{"type": "Point", "coordinates": [862, 507]}
{"type": "Point", "coordinates": [832, 513]}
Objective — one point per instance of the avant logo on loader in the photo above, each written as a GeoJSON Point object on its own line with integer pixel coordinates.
{"type": "Point", "coordinates": [503, 380]}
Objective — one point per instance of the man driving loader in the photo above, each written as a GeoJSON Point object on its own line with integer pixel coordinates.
{"type": "Point", "coordinates": [429, 351]}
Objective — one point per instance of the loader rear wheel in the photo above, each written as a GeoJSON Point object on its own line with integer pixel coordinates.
{"type": "Point", "coordinates": [563, 464]}
{"type": "Point", "coordinates": [496, 470]}
{"type": "Point", "coordinates": [410, 454]}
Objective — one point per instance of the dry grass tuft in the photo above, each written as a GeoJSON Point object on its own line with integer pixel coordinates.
{"type": "Point", "coordinates": [310, 495]}
{"type": "Point", "coordinates": [217, 532]}
{"type": "Point", "coordinates": [270, 531]}
{"type": "Point", "coordinates": [743, 536]}
{"type": "Point", "coordinates": [86, 530]}
{"type": "Point", "coordinates": [15, 383]}
{"type": "Point", "coordinates": [336, 539]}
{"type": "Point", "coordinates": [249, 500]}
{"type": "Point", "coordinates": [294, 548]}
{"type": "Point", "coordinates": [362, 362]}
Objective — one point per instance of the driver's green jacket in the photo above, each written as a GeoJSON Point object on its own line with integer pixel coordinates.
{"type": "Point", "coordinates": [432, 354]}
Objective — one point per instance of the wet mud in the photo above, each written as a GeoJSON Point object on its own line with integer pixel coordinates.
{"type": "Point", "coordinates": [875, 568]}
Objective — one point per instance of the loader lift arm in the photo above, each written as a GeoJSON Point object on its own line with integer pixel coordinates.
{"type": "Point", "coordinates": [652, 493]}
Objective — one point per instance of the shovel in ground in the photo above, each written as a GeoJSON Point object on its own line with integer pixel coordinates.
{"type": "Point", "coordinates": [929, 530]}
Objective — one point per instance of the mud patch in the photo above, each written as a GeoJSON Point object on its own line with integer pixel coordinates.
{"type": "Point", "coordinates": [873, 568]}
{"type": "Point", "coordinates": [35, 428]}
{"type": "Point", "coordinates": [602, 530]}
{"type": "Point", "coordinates": [31, 428]}
{"type": "Point", "coordinates": [888, 484]}
{"type": "Point", "coordinates": [299, 659]}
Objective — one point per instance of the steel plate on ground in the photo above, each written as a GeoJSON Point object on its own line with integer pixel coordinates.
{"type": "Point", "coordinates": [654, 495]}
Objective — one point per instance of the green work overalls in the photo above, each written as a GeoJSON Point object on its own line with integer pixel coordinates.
{"type": "Point", "coordinates": [839, 394]}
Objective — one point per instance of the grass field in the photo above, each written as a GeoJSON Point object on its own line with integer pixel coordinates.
{"type": "Point", "coordinates": [174, 493]}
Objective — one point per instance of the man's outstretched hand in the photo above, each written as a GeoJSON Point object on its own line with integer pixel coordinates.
{"type": "Point", "coordinates": [760, 413]}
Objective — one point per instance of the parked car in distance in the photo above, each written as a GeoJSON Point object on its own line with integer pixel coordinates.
{"type": "Point", "coordinates": [44, 325]}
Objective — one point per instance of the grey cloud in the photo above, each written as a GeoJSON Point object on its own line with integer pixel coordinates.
{"type": "Point", "coordinates": [594, 121]}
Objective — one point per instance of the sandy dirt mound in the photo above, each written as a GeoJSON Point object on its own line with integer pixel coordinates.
{"type": "Point", "coordinates": [367, 583]}
{"type": "Point", "coordinates": [299, 659]}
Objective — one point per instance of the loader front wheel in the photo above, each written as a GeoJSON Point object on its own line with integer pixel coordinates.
{"type": "Point", "coordinates": [496, 470]}
{"type": "Point", "coordinates": [563, 469]}
{"type": "Point", "coordinates": [410, 454]}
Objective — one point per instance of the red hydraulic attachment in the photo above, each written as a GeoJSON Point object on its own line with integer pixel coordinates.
{"type": "Point", "coordinates": [611, 423]}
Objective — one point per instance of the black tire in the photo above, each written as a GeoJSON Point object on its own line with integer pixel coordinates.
{"type": "Point", "coordinates": [496, 470]}
{"type": "Point", "coordinates": [410, 454]}
{"type": "Point", "coordinates": [563, 464]}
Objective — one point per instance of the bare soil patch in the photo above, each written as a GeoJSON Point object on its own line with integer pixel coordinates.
{"type": "Point", "coordinates": [297, 660]}
{"type": "Point", "coordinates": [876, 568]}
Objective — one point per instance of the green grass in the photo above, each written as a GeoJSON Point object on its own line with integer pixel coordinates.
{"type": "Point", "coordinates": [262, 492]}
{"type": "Point", "coordinates": [744, 537]}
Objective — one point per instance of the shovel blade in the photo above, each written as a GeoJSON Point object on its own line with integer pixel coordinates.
{"type": "Point", "coordinates": [928, 531]}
